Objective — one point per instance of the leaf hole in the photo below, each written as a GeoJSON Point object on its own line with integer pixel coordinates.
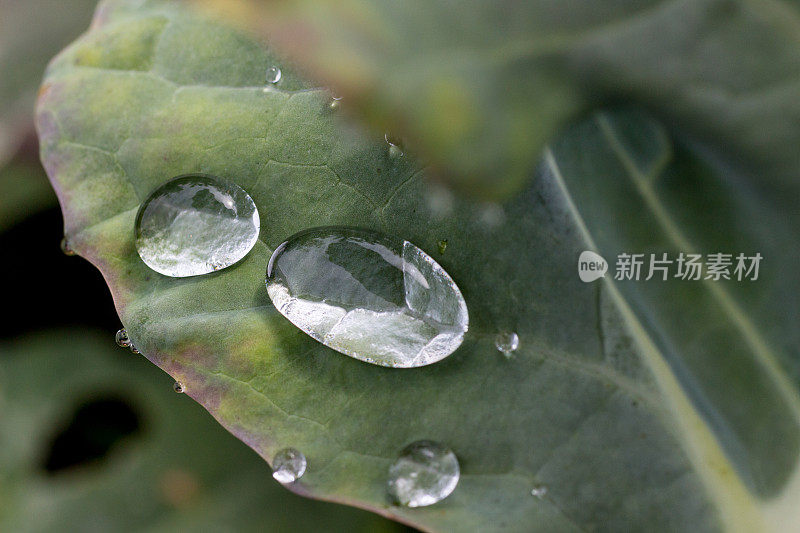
{"type": "Point", "coordinates": [90, 434]}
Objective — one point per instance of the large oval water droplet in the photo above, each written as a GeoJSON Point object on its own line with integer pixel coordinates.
{"type": "Point", "coordinates": [425, 473]}
{"type": "Point", "coordinates": [195, 224]}
{"type": "Point", "coordinates": [373, 297]}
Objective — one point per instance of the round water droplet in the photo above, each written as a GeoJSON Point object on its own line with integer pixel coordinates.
{"type": "Point", "coordinates": [178, 387]}
{"type": "Point", "coordinates": [195, 224]}
{"type": "Point", "coordinates": [425, 473]}
{"type": "Point", "coordinates": [334, 102]}
{"type": "Point", "coordinates": [507, 342]}
{"type": "Point", "coordinates": [122, 339]}
{"type": "Point", "coordinates": [376, 298]}
{"type": "Point", "coordinates": [273, 74]}
{"type": "Point", "coordinates": [395, 145]}
{"type": "Point", "coordinates": [288, 465]}
{"type": "Point", "coordinates": [65, 247]}
{"type": "Point", "coordinates": [540, 491]}
{"type": "Point", "coordinates": [134, 349]}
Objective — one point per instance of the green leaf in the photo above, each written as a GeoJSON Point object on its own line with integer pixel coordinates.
{"type": "Point", "coordinates": [643, 406]}
{"type": "Point", "coordinates": [24, 54]}
{"type": "Point", "coordinates": [24, 190]}
{"type": "Point", "coordinates": [480, 87]}
{"type": "Point", "coordinates": [178, 470]}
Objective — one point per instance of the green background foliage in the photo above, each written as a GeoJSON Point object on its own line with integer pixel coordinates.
{"type": "Point", "coordinates": [482, 87]}
{"type": "Point", "coordinates": [179, 470]}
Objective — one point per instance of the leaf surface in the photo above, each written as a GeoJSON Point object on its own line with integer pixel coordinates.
{"type": "Point", "coordinates": [640, 406]}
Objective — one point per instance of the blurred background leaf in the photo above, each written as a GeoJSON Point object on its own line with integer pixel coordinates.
{"type": "Point", "coordinates": [24, 189]}
{"type": "Point", "coordinates": [93, 438]}
{"type": "Point", "coordinates": [480, 87]}
{"type": "Point", "coordinates": [31, 32]}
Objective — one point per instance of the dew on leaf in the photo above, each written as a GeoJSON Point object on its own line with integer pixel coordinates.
{"type": "Point", "coordinates": [506, 342]}
{"type": "Point", "coordinates": [196, 224]}
{"type": "Point", "coordinates": [122, 339]}
{"type": "Point", "coordinates": [334, 102]}
{"type": "Point", "coordinates": [376, 298]}
{"type": "Point", "coordinates": [288, 465]}
{"type": "Point", "coordinates": [178, 387]}
{"type": "Point", "coordinates": [424, 473]}
{"type": "Point", "coordinates": [395, 145]}
{"type": "Point", "coordinates": [65, 248]}
{"type": "Point", "coordinates": [540, 491]}
{"type": "Point", "coordinates": [273, 74]}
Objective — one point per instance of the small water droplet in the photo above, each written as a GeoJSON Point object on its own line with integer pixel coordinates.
{"type": "Point", "coordinates": [442, 246]}
{"type": "Point", "coordinates": [196, 224]}
{"type": "Point", "coordinates": [273, 74]}
{"type": "Point", "coordinates": [134, 349]}
{"type": "Point", "coordinates": [395, 145]}
{"type": "Point", "coordinates": [425, 473]}
{"type": "Point", "coordinates": [122, 339]}
{"type": "Point", "coordinates": [507, 342]}
{"type": "Point", "coordinates": [65, 247]}
{"type": "Point", "coordinates": [376, 298]}
{"type": "Point", "coordinates": [178, 387]}
{"type": "Point", "coordinates": [288, 465]}
{"type": "Point", "coordinates": [540, 491]}
{"type": "Point", "coordinates": [334, 101]}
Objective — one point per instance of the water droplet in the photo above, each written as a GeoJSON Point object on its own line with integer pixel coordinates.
{"type": "Point", "coordinates": [376, 298]}
{"type": "Point", "coordinates": [442, 246]}
{"type": "Point", "coordinates": [395, 145]}
{"type": "Point", "coordinates": [122, 339]}
{"type": "Point", "coordinates": [334, 102]}
{"type": "Point", "coordinates": [540, 491]}
{"type": "Point", "coordinates": [288, 465]}
{"type": "Point", "coordinates": [178, 387]}
{"type": "Point", "coordinates": [507, 342]}
{"type": "Point", "coordinates": [134, 349]}
{"type": "Point", "coordinates": [425, 473]}
{"type": "Point", "coordinates": [65, 247]}
{"type": "Point", "coordinates": [195, 224]}
{"type": "Point", "coordinates": [273, 74]}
